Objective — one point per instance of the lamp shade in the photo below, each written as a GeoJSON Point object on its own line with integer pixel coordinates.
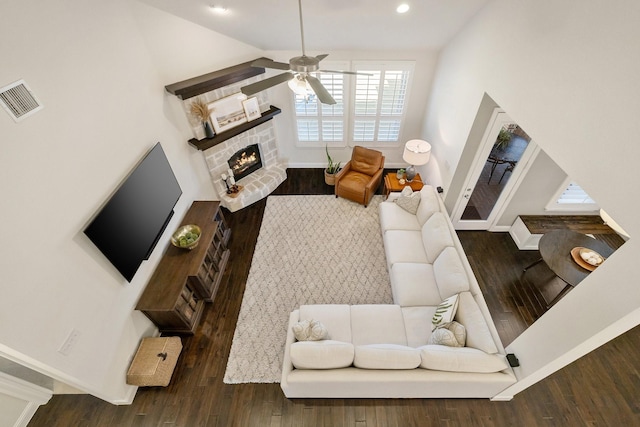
{"type": "Point", "coordinates": [417, 152]}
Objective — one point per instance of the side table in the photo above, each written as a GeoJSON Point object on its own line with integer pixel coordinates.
{"type": "Point", "coordinates": [391, 183]}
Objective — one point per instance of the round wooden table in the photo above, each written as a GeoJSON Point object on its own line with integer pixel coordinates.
{"type": "Point", "coordinates": [555, 250]}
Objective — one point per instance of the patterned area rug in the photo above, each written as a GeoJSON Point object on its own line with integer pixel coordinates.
{"type": "Point", "coordinates": [310, 250]}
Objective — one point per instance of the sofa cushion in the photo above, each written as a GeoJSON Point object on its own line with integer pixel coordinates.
{"type": "Point", "coordinates": [452, 334]}
{"type": "Point", "coordinates": [404, 246]}
{"type": "Point", "coordinates": [326, 354]}
{"type": "Point", "coordinates": [309, 330]}
{"type": "Point", "coordinates": [436, 235]}
{"type": "Point", "coordinates": [413, 284]}
{"type": "Point", "coordinates": [335, 317]}
{"type": "Point", "coordinates": [377, 323]}
{"type": "Point", "coordinates": [417, 324]}
{"type": "Point", "coordinates": [478, 333]}
{"type": "Point", "coordinates": [393, 217]}
{"type": "Point", "coordinates": [445, 312]}
{"type": "Point", "coordinates": [386, 356]}
{"type": "Point", "coordinates": [460, 359]}
{"type": "Point", "coordinates": [450, 274]}
{"type": "Point", "coordinates": [408, 200]}
{"type": "Point", "coordinates": [429, 204]}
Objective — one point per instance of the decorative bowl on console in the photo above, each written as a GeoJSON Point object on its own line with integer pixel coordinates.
{"type": "Point", "coordinates": [186, 237]}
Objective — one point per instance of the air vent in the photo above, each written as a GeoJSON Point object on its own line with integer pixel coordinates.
{"type": "Point", "coordinates": [18, 100]}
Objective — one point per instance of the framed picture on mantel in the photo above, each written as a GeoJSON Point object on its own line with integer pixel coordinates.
{"type": "Point", "coordinates": [228, 112]}
{"type": "Point", "coordinates": [251, 108]}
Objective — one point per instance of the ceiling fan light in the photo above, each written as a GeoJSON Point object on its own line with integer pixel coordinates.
{"type": "Point", "coordinates": [299, 86]}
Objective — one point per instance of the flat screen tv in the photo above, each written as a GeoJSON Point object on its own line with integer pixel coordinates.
{"type": "Point", "coordinates": [129, 225]}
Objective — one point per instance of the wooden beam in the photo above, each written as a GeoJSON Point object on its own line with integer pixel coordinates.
{"type": "Point", "coordinates": [207, 82]}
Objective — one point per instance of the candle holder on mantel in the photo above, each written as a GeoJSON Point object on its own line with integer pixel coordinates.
{"type": "Point", "coordinates": [233, 189]}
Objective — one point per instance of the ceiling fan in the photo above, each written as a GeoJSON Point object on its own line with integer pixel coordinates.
{"type": "Point", "coordinates": [298, 68]}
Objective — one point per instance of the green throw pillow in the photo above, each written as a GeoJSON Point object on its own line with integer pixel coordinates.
{"type": "Point", "coordinates": [445, 312]}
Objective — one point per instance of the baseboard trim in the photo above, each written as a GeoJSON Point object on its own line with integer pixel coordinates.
{"type": "Point", "coordinates": [501, 398]}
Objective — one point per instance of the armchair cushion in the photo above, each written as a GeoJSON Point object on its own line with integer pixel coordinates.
{"type": "Point", "coordinates": [366, 161]}
{"type": "Point", "coordinates": [361, 176]}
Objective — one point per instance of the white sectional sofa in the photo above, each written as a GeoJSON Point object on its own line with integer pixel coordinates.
{"type": "Point", "coordinates": [384, 350]}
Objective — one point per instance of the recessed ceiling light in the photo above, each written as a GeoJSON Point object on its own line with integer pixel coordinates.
{"type": "Point", "coordinates": [217, 8]}
{"type": "Point", "coordinates": [403, 8]}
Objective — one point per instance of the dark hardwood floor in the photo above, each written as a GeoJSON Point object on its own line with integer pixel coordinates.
{"type": "Point", "coordinates": [601, 389]}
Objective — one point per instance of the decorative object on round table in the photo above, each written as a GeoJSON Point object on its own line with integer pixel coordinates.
{"type": "Point", "coordinates": [186, 237]}
{"type": "Point", "coordinates": [586, 258]}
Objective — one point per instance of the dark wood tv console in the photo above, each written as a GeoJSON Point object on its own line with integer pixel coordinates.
{"type": "Point", "coordinates": [184, 280]}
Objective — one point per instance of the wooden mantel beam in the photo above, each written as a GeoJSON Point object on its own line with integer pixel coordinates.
{"type": "Point", "coordinates": [207, 82]}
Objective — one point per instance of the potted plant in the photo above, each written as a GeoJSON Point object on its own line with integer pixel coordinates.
{"type": "Point", "coordinates": [502, 142]}
{"type": "Point", "coordinates": [332, 169]}
{"type": "Point", "coordinates": [200, 110]}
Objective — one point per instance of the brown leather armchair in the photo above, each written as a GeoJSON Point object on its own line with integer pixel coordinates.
{"type": "Point", "coordinates": [361, 176]}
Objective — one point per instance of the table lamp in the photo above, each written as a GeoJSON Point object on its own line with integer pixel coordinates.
{"type": "Point", "coordinates": [416, 152]}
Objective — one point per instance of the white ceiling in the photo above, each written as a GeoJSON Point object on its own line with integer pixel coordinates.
{"type": "Point", "coordinates": [331, 25]}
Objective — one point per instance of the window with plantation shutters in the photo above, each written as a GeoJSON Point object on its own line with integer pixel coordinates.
{"type": "Point", "coordinates": [379, 101]}
{"type": "Point", "coordinates": [570, 196]}
{"type": "Point", "coordinates": [369, 110]}
{"type": "Point", "coordinates": [321, 123]}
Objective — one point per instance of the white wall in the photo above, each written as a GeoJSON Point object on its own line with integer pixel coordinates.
{"type": "Point", "coordinates": [96, 70]}
{"type": "Point", "coordinates": [567, 73]}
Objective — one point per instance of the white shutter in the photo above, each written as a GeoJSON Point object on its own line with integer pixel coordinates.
{"type": "Point", "coordinates": [321, 123]}
{"type": "Point", "coordinates": [571, 197]}
{"type": "Point", "coordinates": [574, 194]}
{"type": "Point", "coordinates": [380, 101]}
{"type": "Point", "coordinates": [374, 105]}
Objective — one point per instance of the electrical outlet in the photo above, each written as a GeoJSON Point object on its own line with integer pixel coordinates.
{"type": "Point", "coordinates": [70, 342]}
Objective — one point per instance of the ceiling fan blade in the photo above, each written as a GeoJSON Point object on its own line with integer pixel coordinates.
{"type": "Point", "coordinates": [321, 92]}
{"type": "Point", "coordinates": [266, 83]}
{"type": "Point", "coordinates": [321, 57]}
{"type": "Point", "coordinates": [268, 63]}
{"type": "Point", "coordinates": [344, 72]}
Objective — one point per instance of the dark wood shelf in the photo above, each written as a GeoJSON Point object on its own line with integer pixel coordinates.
{"type": "Point", "coordinates": [207, 82]}
{"type": "Point", "coordinates": [206, 143]}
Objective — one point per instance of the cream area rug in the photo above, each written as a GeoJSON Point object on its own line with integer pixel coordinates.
{"type": "Point", "coordinates": [310, 250]}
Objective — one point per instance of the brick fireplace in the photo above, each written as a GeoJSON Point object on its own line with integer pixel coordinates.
{"type": "Point", "coordinates": [259, 182]}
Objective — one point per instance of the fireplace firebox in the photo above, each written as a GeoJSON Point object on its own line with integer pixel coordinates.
{"type": "Point", "coordinates": [245, 161]}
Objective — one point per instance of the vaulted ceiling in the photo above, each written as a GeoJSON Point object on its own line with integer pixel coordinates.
{"type": "Point", "coordinates": [330, 25]}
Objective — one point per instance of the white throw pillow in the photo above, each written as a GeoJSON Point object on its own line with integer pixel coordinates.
{"type": "Point", "coordinates": [459, 331]}
{"type": "Point", "coordinates": [443, 336]}
{"type": "Point", "coordinates": [326, 354]}
{"type": "Point", "coordinates": [309, 330]}
{"type": "Point", "coordinates": [445, 312]}
{"type": "Point", "coordinates": [460, 359]}
{"type": "Point", "coordinates": [408, 200]}
{"type": "Point", "coordinates": [452, 335]}
{"type": "Point", "coordinates": [386, 356]}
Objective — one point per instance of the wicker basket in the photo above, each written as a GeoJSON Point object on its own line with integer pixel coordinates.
{"type": "Point", "coordinates": [154, 362]}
